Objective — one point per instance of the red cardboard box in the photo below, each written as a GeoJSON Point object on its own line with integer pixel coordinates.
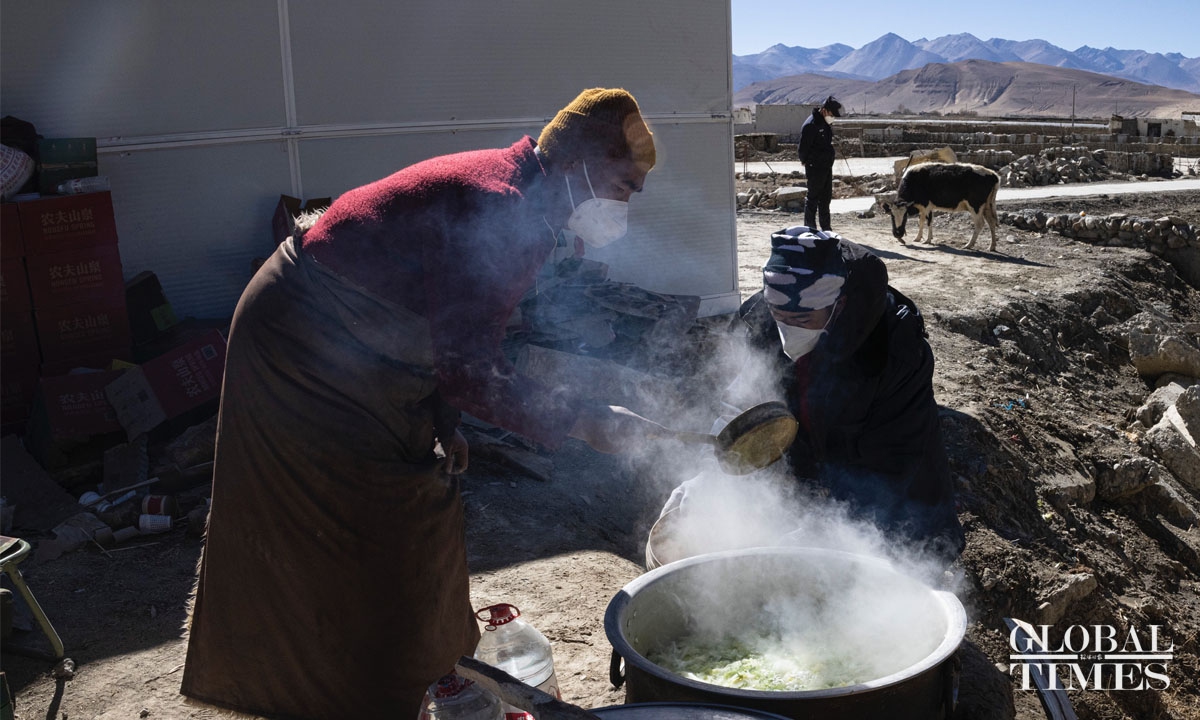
{"type": "Point", "coordinates": [97, 327]}
{"type": "Point", "coordinates": [75, 276]}
{"type": "Point", "coordinates": [19, 361]}
{"type": "Point", "coordinates": [14, 288]}
{"type": "Point", "coordinates": [11, 243]}
{"type": "Point", "coordinates": [169, 385]}
{"type": "Point", "coordinates": [75, 405]}
{"type": "Point", "coordinates": [189, 375]}
{"type": "Point", "coordinates": [18, 340]}
{"type": "Point", "coordinates": [68, 222]}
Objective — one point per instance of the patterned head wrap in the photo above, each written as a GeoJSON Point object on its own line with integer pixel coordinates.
{"type": "Point", "coordinates": [805, 271]}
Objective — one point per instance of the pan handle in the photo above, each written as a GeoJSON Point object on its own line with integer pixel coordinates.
{"type": "Point", "coordinates": [696, 438]}
{"type": "Point", "coordinates": [616, 674]}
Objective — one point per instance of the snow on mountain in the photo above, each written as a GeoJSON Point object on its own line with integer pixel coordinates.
{"type": "Point", "coordinates": [891, 54]}
{"type": "Point", "coordinates": [885, 56]}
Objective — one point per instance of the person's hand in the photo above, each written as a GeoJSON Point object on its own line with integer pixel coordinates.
{"type": "Point", "coordinates": [613, 429]}
{"type": "Point", "coordinates": [457, 451]}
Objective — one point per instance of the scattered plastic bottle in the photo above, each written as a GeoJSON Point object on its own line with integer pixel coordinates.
{"type": "Point", "coordinates": [516, 647]}
{"type": "Point", "coordinates": [75, 186]}
{"type": "Point", "coordinates": [457, 698]}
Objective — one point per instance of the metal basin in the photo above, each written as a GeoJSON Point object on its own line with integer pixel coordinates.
{"type": "Point", "coordinates": [904, 630]}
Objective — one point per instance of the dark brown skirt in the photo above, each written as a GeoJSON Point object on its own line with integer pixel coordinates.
{"type": "Point", "coordinates": [334, 581]}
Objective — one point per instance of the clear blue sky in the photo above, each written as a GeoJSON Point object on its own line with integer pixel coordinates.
{"type": "Point", "coordinates": [1162, 26]}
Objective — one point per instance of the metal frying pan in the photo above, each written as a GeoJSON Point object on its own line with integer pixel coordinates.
{"type": "Point", "coordinates": [752, 440]}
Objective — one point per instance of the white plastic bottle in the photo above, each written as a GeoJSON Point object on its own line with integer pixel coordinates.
{"type": "Point", "coordinates": [516, 647]}
{"type": "Point", "coordinates": [457, 698]}
{"type": "Point", "coordinates": [74, 186]}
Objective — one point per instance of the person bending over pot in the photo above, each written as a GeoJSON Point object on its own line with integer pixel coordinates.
{"type": "Point", "coordinates": [850, 357]}
{"type": "Point", "coordinates": [334, 581]}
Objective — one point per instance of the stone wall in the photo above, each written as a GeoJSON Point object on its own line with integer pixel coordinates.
{"type": "Point", "coordinates": [1058, 165]}
{"type": "Point", "coordinates": [1158, 235]}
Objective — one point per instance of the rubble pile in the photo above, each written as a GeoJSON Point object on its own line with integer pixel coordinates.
{"type": "Point", "coordinates": [1058, 166]}
{"type": "Point", "coordinates": [1118, 229]}
{"type": "Point", "coordinates": [786, 192]}
{"type": "Point", "coordinates": [1164, 479]}
{"type": "Point", "coordinates": [1055, 166]}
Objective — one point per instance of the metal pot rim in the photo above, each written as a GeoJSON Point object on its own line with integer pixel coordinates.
{"type": "Point", "coordinates": [956, 621]}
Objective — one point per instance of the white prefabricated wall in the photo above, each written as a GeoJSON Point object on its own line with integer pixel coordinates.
{"type": "Point", "coordinates": [781, 119]}
{"type": "Point", "coordinates": [204, 113]}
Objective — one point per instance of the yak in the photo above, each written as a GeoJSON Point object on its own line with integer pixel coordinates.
{"type": "Point", "coordinates": [952, 187]}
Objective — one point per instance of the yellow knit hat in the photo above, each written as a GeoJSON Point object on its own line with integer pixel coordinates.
{"type": "Point", "coordinates": [600, 121]}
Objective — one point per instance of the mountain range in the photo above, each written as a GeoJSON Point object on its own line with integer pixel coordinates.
{"type": "Point", "coordinates": [891, 54]}
{"type": "Point", "coordinates": [962, 74]}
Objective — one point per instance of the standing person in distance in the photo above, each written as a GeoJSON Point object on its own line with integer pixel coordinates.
{"type": "Point", "coordinates": [816, 152]}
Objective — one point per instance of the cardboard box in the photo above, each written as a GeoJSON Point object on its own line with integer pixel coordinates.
{"type": "Point", "coordinates": [19, 363]}
{"type": "Point", "coordinates": [283, 222]}
{"type": "Point", "coordinates": [61, 159]}
{"type": "Point", "coordinates": [75, 276]}
{"type": "Point", "coordinates": [14, 287]}
{"type": "Point", "coordinates": [150, 314]}
{"type": "Point", "coordinates": [169, 385]}
{"type": "Point", "coordinates": [11, 243]}
{"type": "Point", "coordinates": [75, 405]}
{"type": "Point", "coordinates": [69, 222]}
{"type": "Point", "coordinates": [85, 330]}
{"type": "Point", "coordinates": [18, 340]}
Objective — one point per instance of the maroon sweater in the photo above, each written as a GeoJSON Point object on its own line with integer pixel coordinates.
{"type": "Point", "coordinates": [458, 239]}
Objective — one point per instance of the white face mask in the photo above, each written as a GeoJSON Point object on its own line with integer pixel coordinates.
{"type": "Point", "coordinates": [798, 341]}
{"type": "Point", "coordinates": [597, 221]}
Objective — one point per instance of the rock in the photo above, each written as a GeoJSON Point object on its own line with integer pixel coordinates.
{"type": "Point", "coordinates": [1071, 589]}
{"type": "Point", "coordinates": [785, 195]}
{"type": "Point", "coordinates": [1176, 453]}
{"type": "Point", "coordinates": [1155, 354]}
{"type": "Point", "coordinates": [1185, 414]}
{"type": "Point", "coordinates": [1172, 504]}
{"type": "Point", "coordinates": [1157, 403]}
{"type": "Point", "coordinates": [1064, 489]}
{"type": "Point", "coordinates": [1127, 478]}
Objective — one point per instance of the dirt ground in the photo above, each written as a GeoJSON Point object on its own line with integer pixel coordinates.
{"type": "Point", "coordinates": [1013, 414]}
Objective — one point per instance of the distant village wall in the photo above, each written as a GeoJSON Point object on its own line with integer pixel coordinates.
{"type": "Point", "coordinates": [886, 137]}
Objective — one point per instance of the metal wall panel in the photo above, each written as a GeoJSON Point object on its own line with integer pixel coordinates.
{"type": "Point", "coordinates": [463, 62]}
{"type": "Point", "coordinates": [197, 217]}
{"type": "Point", "coordinates": [205, 113]}
{"type": "Point", "coordinates": [680, 225]}
{"type": "Point", "coordinates": [78, 68]}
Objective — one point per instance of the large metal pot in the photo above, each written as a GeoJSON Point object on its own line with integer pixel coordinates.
{"type": "Point", "coordinates": [680, 711]}
{"type": "Point", "coordinates": [864, 600]}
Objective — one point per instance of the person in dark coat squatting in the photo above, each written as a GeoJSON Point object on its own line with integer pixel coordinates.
{"type": "Point", "coordinates": [853, 363]}
{"type": "Point", "coordinates": [816, 152]}
{"type": "Point", "coordinates": [334, 581]}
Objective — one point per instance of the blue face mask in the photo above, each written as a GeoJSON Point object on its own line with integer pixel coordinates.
{"type": "Point", "coordinates": [597, 221]}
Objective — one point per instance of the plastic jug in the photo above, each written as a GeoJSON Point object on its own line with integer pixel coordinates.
{"type": "Point", "coordinates": [457, 698]}
{"type": "Point", "coordinates": [516, 647]}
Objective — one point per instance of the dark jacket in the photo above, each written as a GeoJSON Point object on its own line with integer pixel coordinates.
{"type": "Point", "coordinates": [816, 141]}
{"type": "Point", "coordinates": [869, 422]}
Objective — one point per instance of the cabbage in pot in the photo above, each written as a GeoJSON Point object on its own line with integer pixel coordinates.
{"type": "Point", "coordinates": [761, 662]}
